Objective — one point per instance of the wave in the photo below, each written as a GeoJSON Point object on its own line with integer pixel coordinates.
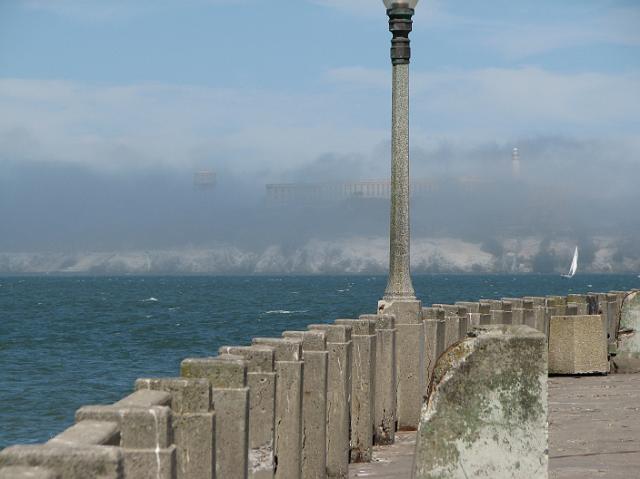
{"type": "Point", "coordinates": [150, 300]}
{"type": "Point", "coordinates": [285, 311]}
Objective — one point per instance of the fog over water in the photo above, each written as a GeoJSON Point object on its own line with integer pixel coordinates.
{"type": "Point", "coordinates": [479, 214]}
{"type": "Point", "coordinates": [108, 109]}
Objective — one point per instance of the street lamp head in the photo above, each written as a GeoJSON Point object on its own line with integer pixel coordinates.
{"type": "Point", "coordinates": [400, 3]}
{"type": "Point", "coordinates": [400, 14]}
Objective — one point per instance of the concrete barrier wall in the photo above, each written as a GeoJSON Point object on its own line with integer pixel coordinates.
{"type": "Point", "coordinates": [309, 403]}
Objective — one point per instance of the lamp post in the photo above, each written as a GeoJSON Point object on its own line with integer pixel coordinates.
{"type": "Point", "coordinates": [399, 297]}
{"type": "Point", "coordinates": [399, 286]}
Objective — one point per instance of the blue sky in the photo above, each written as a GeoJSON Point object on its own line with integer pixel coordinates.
{"type": "Point", "coordinates": [266, 88]}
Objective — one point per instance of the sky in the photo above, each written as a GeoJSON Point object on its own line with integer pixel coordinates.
{"type": "Point", "coordinates": [97, 97]}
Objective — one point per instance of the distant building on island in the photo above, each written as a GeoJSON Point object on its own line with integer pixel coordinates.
{"type": "Point", "coordinates": [309, 192]}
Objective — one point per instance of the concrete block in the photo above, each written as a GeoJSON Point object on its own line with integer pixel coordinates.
{"type": "Point", "coordinates": [140, 427]}
{"type": "Point", "coordinates": [20, 472]}
{"type": "Point", "coordinates": [384, 416]}
{"type": "Point", "coordinates": [339, 347]}
{"type": "Point", "coordinates": [288, 421]}
{"type": "Point", "coordinates": [571, 309]}
{"type": "Point", "coordinates": [261, 379]}
{"type": "Point", "coordinates": [81, 462]}
{"type": "Point", "coordinates": [433, 313]}
{"type": "Point", "coordinates": [145, 398]}
{"type": "Point", "coordinates": [227, 375]}
{"type": "Point", "coordinates": [627, 357]}
{"type": "Point", "coordinates": [435, 332]}
{"type": "Point", "coordinates": [410, 373]}
{"type": "Point", "coordinates": [577, 345]}
{"type": "Point", "coordinates": [314, 402]}
{"type": "Point", "coordinates": [581, 302]}
{"type": "Point", "coordinates": [540, 315]}
{"type": "Point", "coordinates": [89, 433]}
{"type": "Point", "coordinates": [146, 436]}
{"type": "Point", "coordinates": [187, 395]}
{"type": "Point", "coordinates": [530, 318]}
{"type": "Point", "coordinates": [536, 300]}
{"type": "Point", "coordinates": [513, 303]}
{"type": "Point", "coordinates": [499, 430]}
{"type": "Point", "coordinates": [193, 423]}
{"type": "Point", "coordinates": [452, 331]}
{"type": "Point", "coordinates": [472, 307]}
{"type": "Point", "coordinates": [499, 316]}
{"type": "Point", "coordinates": [517, 316]}
{"type": "Point", "coordinates": [363, 363]}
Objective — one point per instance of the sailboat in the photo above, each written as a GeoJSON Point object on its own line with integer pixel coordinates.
{"type": "Point", "coordinates": [574, 266]}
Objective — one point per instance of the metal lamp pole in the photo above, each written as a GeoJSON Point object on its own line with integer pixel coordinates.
{"type": "Point", "coordinates": [399, 286]}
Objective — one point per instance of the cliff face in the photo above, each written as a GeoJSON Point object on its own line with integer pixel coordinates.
{"type": "Point", "coordinates": [344, 256]}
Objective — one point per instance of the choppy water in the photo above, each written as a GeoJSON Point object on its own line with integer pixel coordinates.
{"type": "Point", "coordinates": [66, 342]}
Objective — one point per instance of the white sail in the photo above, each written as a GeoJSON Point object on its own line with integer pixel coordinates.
{"type": "Point", "coordinates": [574, 264]}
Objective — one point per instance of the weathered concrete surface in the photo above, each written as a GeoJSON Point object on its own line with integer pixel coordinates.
{"type": "Point", "coordinates": [486, 415]}
{"type": "Point", "coordinates": [96, 462]}
{"type": "Point", "coordinates": [594, 432]}
{"type": "Point", "coordinates": [594, 429]}
{"type": "Point", "coordinates": [627, 358]}
{"type": "Point", "coordinates": [19, 472]}
{"type": "Point", "coordinates": [389, 462]}
{"type": "Point", "coordinates": [578, 345]}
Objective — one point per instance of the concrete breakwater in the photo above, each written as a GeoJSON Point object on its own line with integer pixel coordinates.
{"type": "Point", "coordinates": [309, 403]}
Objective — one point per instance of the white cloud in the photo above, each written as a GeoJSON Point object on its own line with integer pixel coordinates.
{"type": "Point", "coordinates": [266, 131]}
{"type": "Point", "coordinates": [498, 102]}
{"type": "Point", "coordinates": [157, 124]}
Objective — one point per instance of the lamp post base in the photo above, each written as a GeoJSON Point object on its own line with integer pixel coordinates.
{"type": "Point", "coordinates": [409, 358]}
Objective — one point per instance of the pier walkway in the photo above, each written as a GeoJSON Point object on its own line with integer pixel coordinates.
{"type": "Point", "coordinates": [594, 432]}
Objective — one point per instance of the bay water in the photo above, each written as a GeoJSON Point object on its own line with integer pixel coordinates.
{"type": "Point", "coordinates": [70, 341]}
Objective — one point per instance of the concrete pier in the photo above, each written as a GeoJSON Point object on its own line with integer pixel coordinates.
{"type": "Point", "coordinates": [363, 363]}
{"type": "Point", "coordinates": [289, 369]}
{"type": "Point", "coordinates": [261, 380]}
{"type": "Point", "coordinates": [227, 375]}
{"type": "Point", "coordinates": [314, 402]}
{"type": "Point", "coordinates": [339, 347]}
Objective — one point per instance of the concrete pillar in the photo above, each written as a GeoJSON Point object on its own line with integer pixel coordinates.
{"type": "Point", "coordinates": [581, 301]}
{"type": "Point", "coordinates": [627, 354]}
{"type": "Point", "coordinates": [289, 379]}
{"type": "Point", "coordinates": [384, 415]}
{"type": "Point", "coordinates": [227, 375]}
{"type": "Point", "coordinates": [571, 309]}
{"type": "Point", "coordinates": [435, 332]}
{"type": "Point", "coordinates": [146, 437]}
{"type": "Point", "coordinates": [410, 370]}
{"type": "Point", "coordinates": [452, 330]}
{"type": "Point", "coordinates": [261, 379]}
{"type": "Point", "coordinates": [193, 424]}
{"type": "Point", "coordinates": [338, 398]}
{"type": "Point", "coordinates": [363, 336]}
{"type": "Point", "coordinates": [500, 429]}
{"type": "Point", "coordinates": [314, 402]}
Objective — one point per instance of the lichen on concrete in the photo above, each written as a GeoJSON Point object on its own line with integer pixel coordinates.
{"type": "Point", "coordinates": [486, 415]}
